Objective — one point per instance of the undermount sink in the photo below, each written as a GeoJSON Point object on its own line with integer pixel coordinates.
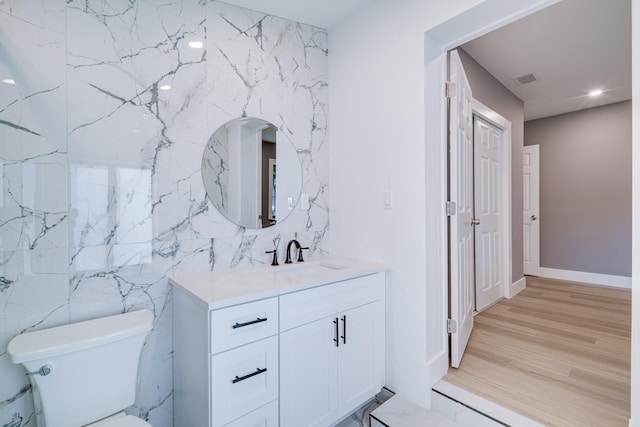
{"type": "Point", "coordinates": [309, 269]}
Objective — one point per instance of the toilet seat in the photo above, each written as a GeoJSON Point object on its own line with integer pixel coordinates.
{"type": "Point", "coordinates": [120, 420]}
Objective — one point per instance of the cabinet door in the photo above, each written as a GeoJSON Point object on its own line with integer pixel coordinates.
{"type": "Point", "coordinates": [308, 369]}
{"type": "Point", "coordinates": [360, 356]}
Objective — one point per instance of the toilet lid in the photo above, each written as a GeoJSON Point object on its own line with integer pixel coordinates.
{"type": "Point", "coordinates": [127, 421]}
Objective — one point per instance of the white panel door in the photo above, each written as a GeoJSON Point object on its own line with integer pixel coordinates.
{"type": "Point", "coordinates": [461, 245]}
{"type": "Point", "coordinates": [488, 212]}
{"type": "Point", "coordinates": [531, 209]}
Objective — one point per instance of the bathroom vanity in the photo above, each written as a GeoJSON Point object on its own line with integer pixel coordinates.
{"type": "Point", "coordinates": [294, 345]}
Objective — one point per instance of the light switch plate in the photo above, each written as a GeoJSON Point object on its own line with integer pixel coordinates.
{"type": "Point", "coordinates": [387, 200]}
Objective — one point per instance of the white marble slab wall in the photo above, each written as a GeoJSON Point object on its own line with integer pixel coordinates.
{"type": "Point", "coordinates": [34, 278]}
{"type": "Point", "coordinates": [102, 198]}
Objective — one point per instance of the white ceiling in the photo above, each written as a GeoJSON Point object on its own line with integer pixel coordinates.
{"type": "Point", "coordinates": [573, 47]}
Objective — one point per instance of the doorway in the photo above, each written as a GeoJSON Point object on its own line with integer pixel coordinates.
{"type": "Point", "coordinates": [479, 20]}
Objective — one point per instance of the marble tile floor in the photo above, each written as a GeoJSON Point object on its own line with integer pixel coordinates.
{"type": "Point", "coordinates": [469, 409]}
{"type": "Point", "coordinates": [387, 410]}
{"type": "Point", "coordinates": [400, 412]}
{"type": "Point", "coordinates": [360, 418]}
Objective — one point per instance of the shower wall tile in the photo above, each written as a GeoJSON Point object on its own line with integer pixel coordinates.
{"type": "Point", "coordinates": [137, 128]}
{"type": "Point", "coordinates": [34, 294]}
{"type": "Point", "coordinates": [102, 198]}
{"type": "Point", "coordinates": [32, 130]}
{"type": "Point", "coordinates": [33, 208]}
{"type": "Point", "coordinates": [34, 286]}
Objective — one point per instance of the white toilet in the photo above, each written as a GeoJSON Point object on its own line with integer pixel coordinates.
{"type": "Point", "coordinates": [85, 373]}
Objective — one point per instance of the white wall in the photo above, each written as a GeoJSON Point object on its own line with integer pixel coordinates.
{"type": "Point", "coordinates": [379, 100]}
{"type": "Point", "coordinates": [377, 132]}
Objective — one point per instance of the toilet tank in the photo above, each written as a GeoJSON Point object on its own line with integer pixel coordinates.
{"type": "Point", "coordinates": [84, 371]}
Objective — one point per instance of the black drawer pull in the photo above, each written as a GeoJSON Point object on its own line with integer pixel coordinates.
{"type": "Point", "coordinates": [252, 322]}
{"type": "Point", "coordinates": [257, 372]}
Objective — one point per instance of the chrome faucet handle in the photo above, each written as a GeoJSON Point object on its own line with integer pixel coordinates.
{"type": "Point", "coordinates": [275, 256]}
{"type": "Point", "coordinates": [300, 259]}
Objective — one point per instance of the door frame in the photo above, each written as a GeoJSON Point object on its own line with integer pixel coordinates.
{"type": "Point", "coordinates": [466, 26]}
{"type": "Point", "coordinates": [488, 115]}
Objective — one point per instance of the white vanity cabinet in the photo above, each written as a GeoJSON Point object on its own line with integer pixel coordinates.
{"type": "Point", "coordinates": [225, 363]}
{"type": "Point", "coordinates": [331, 350]}
{"type": "Point", "coordinates": [276, 347]}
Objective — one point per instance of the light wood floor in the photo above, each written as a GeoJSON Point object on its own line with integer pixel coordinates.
{"type": "Point", "coordinates": [558, 353]}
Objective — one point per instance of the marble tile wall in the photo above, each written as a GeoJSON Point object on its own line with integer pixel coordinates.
{"type": "Point", "coordinates": [102, 197]}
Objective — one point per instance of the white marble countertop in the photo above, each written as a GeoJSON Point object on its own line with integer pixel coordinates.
{"type": "Point", "coordinates": [223, 288]}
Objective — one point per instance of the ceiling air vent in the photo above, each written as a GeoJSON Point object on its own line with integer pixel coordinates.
{"type": "Point", "coordinates": [527, 78]}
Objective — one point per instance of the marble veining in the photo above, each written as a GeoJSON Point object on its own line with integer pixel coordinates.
{"type": "Point", "coordinates": [105, 111]}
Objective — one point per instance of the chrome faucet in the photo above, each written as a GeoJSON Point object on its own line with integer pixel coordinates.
{"type": "Point", "coordinates": [298, 247]}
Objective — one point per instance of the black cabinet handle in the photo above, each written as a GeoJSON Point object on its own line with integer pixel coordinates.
{"type": "Point", "coordinates": [253, 374]}
{"type": "Point", "coordinates": [337, 341]}
{"type": "Point", "coordinates": [344, 329]}
{"type": "Point", "coordinates": [252, 322]}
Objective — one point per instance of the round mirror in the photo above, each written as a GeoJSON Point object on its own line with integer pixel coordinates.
{"type": "Point", "coordinates": [251, 172]}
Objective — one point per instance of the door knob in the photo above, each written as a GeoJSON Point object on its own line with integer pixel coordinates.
{"type": "Point", "coordinates": [475, 221]}
{"type": "Point", "coordinates": [533, 217]}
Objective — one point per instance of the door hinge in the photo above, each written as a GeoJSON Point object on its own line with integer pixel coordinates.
{"type": "Point", "coordinates": [452, 326]}
{"type": "Point", "coordinates": [451, 208]}
{"type": "Point", "coordinates": [450, 89]}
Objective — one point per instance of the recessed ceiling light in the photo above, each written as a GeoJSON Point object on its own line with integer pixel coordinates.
{"type": "Point", "coordinates": [165, 87]}
{"type": "Point", "coordinates": [595, 92]}
{"type": "Point", "coordinates": [196, 44]}
{"type": "Point", "coordinates": [9, 81]}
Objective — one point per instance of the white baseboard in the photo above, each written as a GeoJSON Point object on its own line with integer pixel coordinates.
{"type": "Point", "coordinates": [591, 278]}
{"type": "Point", "coordinates": [517, 287]}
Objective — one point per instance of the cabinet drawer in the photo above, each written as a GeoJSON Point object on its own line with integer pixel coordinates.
{"type": "Point", "coordinates": [241, 324]}
{"type": "Point", "coordinates": [299, 308]}
{"type": "Point", "coordinates": [267, 416]}
{"type": "Point", "coordinates": [243, 379]}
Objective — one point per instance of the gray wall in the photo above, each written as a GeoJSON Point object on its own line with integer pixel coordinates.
{"type": "Point", "coordinates": [493, 94]}
{"type": "Point", "coordinates": [585, 189]}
